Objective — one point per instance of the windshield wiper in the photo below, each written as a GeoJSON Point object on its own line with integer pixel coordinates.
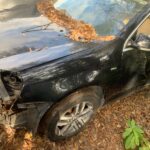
{"type": "Point", "coordinates": [37, 28]}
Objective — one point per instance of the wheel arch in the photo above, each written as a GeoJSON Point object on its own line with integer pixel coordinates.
{"type": "Point", "coordinates": [98, 89]}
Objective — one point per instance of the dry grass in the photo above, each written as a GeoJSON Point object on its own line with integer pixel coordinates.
{"type": "Point", "coordinates": [104, 132]}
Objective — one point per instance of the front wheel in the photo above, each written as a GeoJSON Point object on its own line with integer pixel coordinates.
{"type": "Point", "coordinates": [68, 117]}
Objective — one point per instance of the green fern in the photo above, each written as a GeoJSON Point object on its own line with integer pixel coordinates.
{"type": "Point", "coordinates": [134, 137]}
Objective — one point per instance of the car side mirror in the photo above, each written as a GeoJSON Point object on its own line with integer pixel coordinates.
{"type": "Point", "coordinates": [144, 45]}
{"type": "Point", "coordinates": [142, 42]}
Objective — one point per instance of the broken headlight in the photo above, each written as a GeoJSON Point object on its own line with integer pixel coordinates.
{"type": "Point", "coordinates": [12, 83]}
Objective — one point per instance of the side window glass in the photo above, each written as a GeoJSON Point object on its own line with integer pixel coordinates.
{"type": "Point", "coordinates": [145, 27]}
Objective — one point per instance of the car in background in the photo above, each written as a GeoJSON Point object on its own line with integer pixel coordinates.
{"type": "Point", "coordinates": [53, 85]}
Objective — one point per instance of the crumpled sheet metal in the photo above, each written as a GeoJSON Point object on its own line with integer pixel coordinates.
{"type": "Point", "coordinates": [78, 30]}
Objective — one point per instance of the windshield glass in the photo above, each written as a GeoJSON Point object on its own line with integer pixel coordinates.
{"type": "Point", "coordinates": [108, 17]}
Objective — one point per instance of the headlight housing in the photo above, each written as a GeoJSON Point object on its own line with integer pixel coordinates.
{"type": "Point", "coordinates": [12, 83]}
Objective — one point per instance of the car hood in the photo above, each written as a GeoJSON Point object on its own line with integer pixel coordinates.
{"type": "Point", "coordinates": [28, 42]}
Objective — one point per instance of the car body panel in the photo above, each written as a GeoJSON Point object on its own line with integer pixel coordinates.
{"type": "Point", "coordinates": [71, 72]}
{"type": "Point", "coordinates": [21, 42]}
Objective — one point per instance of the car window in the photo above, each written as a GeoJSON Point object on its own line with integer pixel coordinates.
{"type": "Point", "coordinates": [145, 27]}
{"type": "Point", "coordinates": [107, 16]}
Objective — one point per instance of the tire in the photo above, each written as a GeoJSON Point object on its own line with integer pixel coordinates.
{"type": "Point", "coordinates": [68, 117]}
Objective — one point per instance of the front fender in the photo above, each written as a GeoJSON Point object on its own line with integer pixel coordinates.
{"type": "Point", "coordinates": [56, 89]}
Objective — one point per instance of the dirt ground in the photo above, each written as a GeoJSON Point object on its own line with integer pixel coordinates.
{"type": "Point", "coordinates": [104, 132]}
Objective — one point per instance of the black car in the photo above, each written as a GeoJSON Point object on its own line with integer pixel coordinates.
{"type": "Point", "coordinates": [53, 85]}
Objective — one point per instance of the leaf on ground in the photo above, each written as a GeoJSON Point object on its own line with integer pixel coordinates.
{"type": "Point", "coordinates": [127, 132]}
{"type": "Point", "coordinates": [128, 141]}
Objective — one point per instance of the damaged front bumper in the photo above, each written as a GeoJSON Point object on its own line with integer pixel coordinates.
{"type": "Point", "coordinates": [17, 114]}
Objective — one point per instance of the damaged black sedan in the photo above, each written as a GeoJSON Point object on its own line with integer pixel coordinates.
{"type": "Point", "coordinates": [51, 81]}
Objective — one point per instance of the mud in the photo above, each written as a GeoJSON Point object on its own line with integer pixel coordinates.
{"type": "Point", "coordinates": [78, 30]}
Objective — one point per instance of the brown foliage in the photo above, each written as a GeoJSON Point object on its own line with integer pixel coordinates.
{"type": "Point", "coordinates": [78, 30]}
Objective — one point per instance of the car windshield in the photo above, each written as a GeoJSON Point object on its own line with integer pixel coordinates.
{"type": "Point", "coordinates": [108, 17]}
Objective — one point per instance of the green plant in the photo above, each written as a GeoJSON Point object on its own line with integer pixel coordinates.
{"type": "Point", "coordinates": [134, 137]}
{"type": "Point", "coordinates": [143, 2]}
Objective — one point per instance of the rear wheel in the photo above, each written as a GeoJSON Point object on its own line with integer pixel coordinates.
{"type": "Point", "coordinates": [68, 117]}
